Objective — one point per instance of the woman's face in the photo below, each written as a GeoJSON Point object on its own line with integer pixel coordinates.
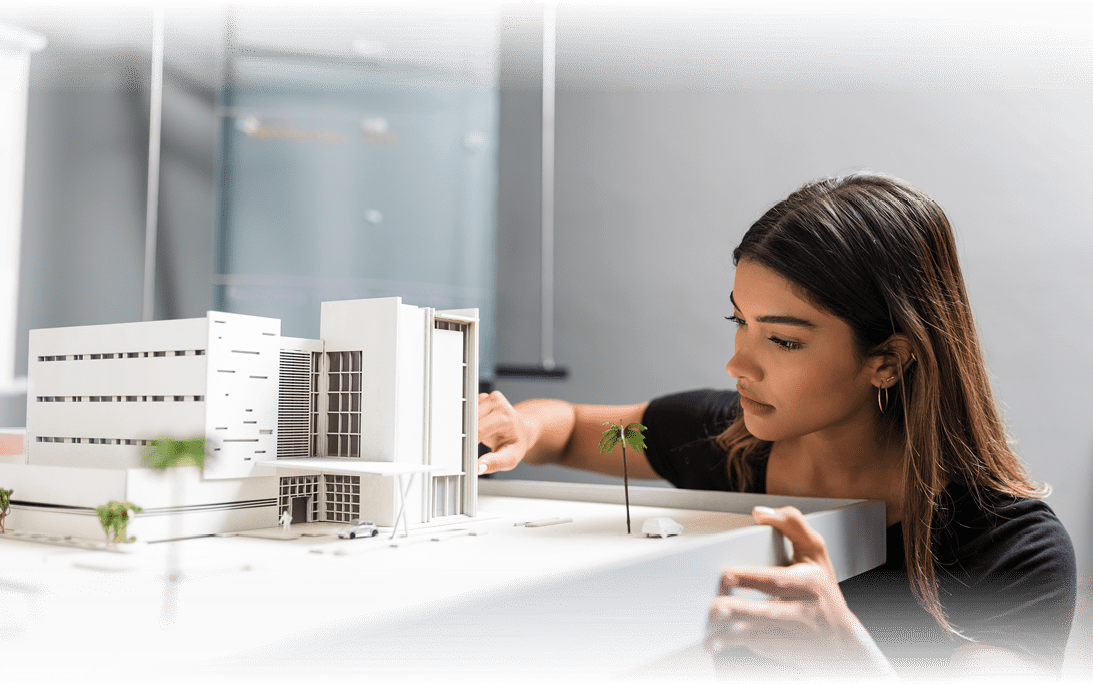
{"type": "Point", "coordinates": [796, 366]}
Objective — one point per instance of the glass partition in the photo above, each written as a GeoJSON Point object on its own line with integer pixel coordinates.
{"type": "Point", "coordinates": [356, 179]}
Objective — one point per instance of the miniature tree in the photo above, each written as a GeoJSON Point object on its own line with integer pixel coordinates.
{"type": "Point", "coordinates": [168, 453]}
{"type": "Point", "coordinates": [630, 435]}
{"type": "Point", "coordinates": [5, 505]}
{"type": "Point", "coordinates": [114, 518]}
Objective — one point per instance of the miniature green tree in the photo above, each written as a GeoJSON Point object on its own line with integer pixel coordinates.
{"type": "Point", "coordinates": [163, 454]}
{"type": "Point", "coordinates": [168, 453]}
{"type": "Point", "coordinates": [630, 435]}
{"type": "Point", "coordinates": [5, 504]}
{"type": "Point", "coordinates": [114, 518]}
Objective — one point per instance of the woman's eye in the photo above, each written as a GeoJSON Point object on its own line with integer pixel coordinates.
{"type": "Point", "coordinates": [785, 344]}
{"type": "Point", "coordinates": [736, 319]}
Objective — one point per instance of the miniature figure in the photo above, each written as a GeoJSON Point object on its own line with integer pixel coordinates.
{"type": "Point", "coordinates": [114, 518]}
{"type": "Point", "coordinates": [631, 435]}
{"type": "Point", "coordinates": [286, 521]}
{"type": "Point", "coordinates": [5, 505]}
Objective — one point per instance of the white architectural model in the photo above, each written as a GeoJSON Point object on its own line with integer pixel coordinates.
{"type": "Point", "coordinates": [331, 430]}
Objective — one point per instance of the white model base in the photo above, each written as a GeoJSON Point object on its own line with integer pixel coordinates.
{"type": "Point", "coordinates": [62, 501]}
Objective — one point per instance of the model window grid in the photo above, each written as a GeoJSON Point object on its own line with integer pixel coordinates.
{"type": "Point", "coordinates": [316, 374]}
{"type": "Point", "coordinates": [343, 497]}
{"type": "Point", "coordinates": [301, 486]}
{"type": "Point", "coordinates": [343, 403]}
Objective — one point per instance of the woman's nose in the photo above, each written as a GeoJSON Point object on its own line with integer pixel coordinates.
{"type": "Point", "coordinates": [741, 366]}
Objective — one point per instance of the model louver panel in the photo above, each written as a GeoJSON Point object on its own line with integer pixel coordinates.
{"type": "Point", "coordinates": [294, 405]}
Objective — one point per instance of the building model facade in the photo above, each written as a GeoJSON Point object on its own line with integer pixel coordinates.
{"type": "Point", "coordinates": [375, 420]}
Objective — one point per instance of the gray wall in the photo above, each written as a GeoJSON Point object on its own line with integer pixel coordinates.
{"type": "Point", "coordinates": [664, 161]}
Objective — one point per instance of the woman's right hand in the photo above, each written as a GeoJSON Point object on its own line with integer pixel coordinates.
{"type": "Point", "coordinates": [507, 433]}
{"type": "Point", "coordinates": [551, 431]}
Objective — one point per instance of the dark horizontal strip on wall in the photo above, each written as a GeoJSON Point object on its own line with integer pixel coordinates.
{"type": "Point", "coordinates": [35, 504]}
{"type": "Point", "coordinates": [204, 508]}
{"type": "Point", "coordinates": [541, 372]}
{"type": "Point", "coordinates": [197, 508]}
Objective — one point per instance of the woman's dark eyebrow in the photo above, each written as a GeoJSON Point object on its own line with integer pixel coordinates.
{"type": "Point", "coordinates": [781, 320]}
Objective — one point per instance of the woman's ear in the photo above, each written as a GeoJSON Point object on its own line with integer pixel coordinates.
{"type": "Point", "coordinates": [891, 359]}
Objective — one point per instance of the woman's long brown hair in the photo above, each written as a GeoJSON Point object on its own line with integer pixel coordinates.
{"type": "Point", "coordinates": [880, 254]}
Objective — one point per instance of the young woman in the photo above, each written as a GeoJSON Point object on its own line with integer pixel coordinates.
{"type": "Point", "coordinates": [859, 375]}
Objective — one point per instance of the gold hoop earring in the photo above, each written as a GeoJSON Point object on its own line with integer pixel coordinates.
{"type": "Point", "coordinates": [883, 404]}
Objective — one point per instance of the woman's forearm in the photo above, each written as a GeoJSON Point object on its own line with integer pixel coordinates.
{"type": "Point", "coordinates": [549, 428]}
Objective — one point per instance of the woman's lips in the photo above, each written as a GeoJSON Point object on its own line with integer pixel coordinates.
{"type": "Point", "coordinates": [753, 406]}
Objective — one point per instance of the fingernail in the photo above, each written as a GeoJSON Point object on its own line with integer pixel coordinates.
{"type": "Point", "coordinates": [715, 646]}
{"type": "Point", "coordinates": [763, 510]}
{"type": "Point", "coordinates": [482, 468]}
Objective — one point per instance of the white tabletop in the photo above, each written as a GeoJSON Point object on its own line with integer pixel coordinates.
{"type": "Point", "coordinates": [485, 599]}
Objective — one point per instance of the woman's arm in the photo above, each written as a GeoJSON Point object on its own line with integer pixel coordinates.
{"type": "Point", "coordinates": [542, 431]}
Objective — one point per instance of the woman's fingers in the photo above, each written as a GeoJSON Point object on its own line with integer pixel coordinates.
{"type": "Point", "coordinates": [496, 420]}
{"type": "Point", "coordinates": [729, 608]}
{"type": "Point", "coordinates": [503, 458]}
{"type": "Point", "coordinates": [754, 622]}
{"type": "Point", "coordinates": [808, 545]}
{"type": "Point", "coordinates": [797, 581]}
{"type": "Point", "coordinates": [498, 430]}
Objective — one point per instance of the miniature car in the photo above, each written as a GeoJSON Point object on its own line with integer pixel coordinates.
{"type": "Point", "coordinates": [358, 528]}
{"type": "Point", "coordinates": [661, 527]}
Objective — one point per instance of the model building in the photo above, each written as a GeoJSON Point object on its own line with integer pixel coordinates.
{"type": "Point", "coordinates": [375, 419]}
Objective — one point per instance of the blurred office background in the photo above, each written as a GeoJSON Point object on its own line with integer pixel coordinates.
{"type": "Point", "coordinates": [676, 127]}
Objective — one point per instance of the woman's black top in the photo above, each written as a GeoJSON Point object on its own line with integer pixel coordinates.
{"type": "Point", "coordinates": [1006, 570]}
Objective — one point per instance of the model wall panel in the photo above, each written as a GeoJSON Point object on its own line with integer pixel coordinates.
{"type": "Point", "coordinates": [158, 527]}
{"type": "Point", "coordinates": [380, 497]}
{"type": "Point", "coordinates": [116, 420]}
{"type": "Point", "coordinates": [152, 376]}
{"type": "Point", "coordinates": [410, 363]}
{"type": "Point", "coordinates": [241, 403]}
{"type": "Point", "coordinates": [371, 327]}
{"type": "Point", "coordinates": [75, 486]}
{"type": "Point", "coordinates": [446, 402]}
{"type": "Point", "coordinates": [185, 485]}
{"type": "Point", "coordinates": [95, 456]}
{"type": "Point", "coordinates": [301, 344]}
{"type": "Point", "coordinates": [84, 524]}
{"type": "Point", "coordinates": [116, 338]}
{"type": "Point", "coordinates": [81, 524]}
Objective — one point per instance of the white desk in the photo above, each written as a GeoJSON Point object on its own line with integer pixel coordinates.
{"type": "Point", "coordinates": [512, 603]}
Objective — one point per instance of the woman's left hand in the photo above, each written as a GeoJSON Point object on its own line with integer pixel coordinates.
{"type": "Point", "coordinates": [806, 622]}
